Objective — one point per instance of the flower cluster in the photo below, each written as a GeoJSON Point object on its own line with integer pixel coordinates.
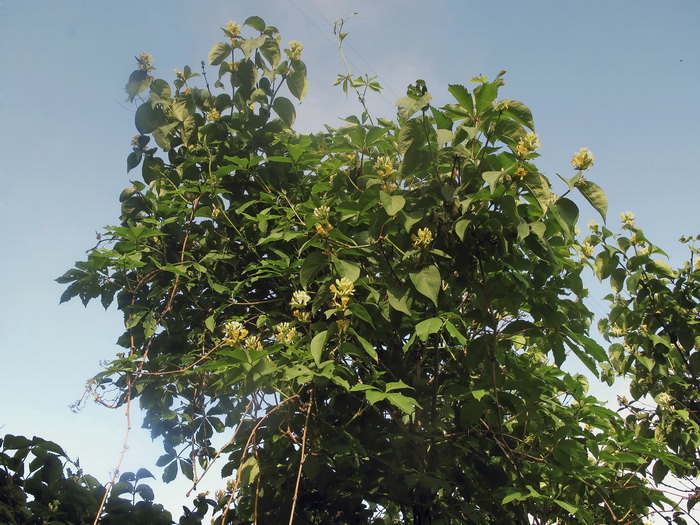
{"type": "Point", "coordinates": [343, 325]}
{"type": "Point", "coordinates": [384, 166]}
{"type": "Point", "coordinates": [300, 299]}
{"type": "Point", "coordinates": [422, 239]}
{"type": "Point", "coordinates": [212, 115]}
{"type": "Point", "coordinates": [342, 290]}
{"type": "Point", "coordinates": [285, 333]}
{"type": "Point", "coordinates": [232, 30]}
{"type": "Point", "coordinates": [144, 60]}
{"type": "Point", "coordinates": [627, 218]}
{"type": "Point", "coordinates": [234, 332]}
{"type": "Point", "coordinates": [528, 144]}
{"type": "Point", "coordinates": [323, 226]}
{"type": "Point", "coordinates": [586, 250]}
{"type": "Point", "coordinates": [521, 173]}
{"type": "Point", "coordinates": [583, 159]}
{"type": "Point", "coordinates": [252, 342]}
{"type": "Point", "coordinates": [294, 52]}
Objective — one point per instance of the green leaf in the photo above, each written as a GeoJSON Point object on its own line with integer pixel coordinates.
{"type": "Point", "coordinates": [492, 178]}
{"type": "Point", "coordinates": [660, 268]}
{"type": "Point", "coordinates": [285, 109]}
{"type": "Point", "coordinates": [539, 187]}
{"type": "Point", "coordinates": [346, 269]}
{"type": "Point", "coordinates": [313, 263]}
{"type": "Point", "coordinates": [297, 82]}
{"type": "Point", "coordinates": [406, 404]}
{"type": "Point", "coordinates": [393, 204]}
{"type": "Point", "coordinates": [138, 82]}
{"type": "Point", "coordinates": [368, 347]}
{"type": "Point", "coordinates": [566, 213]}
{"type": "Point", "coordinates": [464, 98]}
{"type": "Point", "coordinates": [316, 346]}
{"type": "Point", "coordinates": [145, 492]}
{"type": "Point", "coordinates": [408, 106]}
{"type": "Point", "coordinates": [170, 472]}
{"type": "Point", "coordinates": [210, 323]}
{"type": "Point", "coordinates": [595, 195]}
{"type": "Point", "coordinates": [219, 53]}
{"type": "Point", "coordinates": [148, 119]}
{"type": "Point", "coordinates": [133, 160]}
{"type": "Point", "coordinates": [520, 113]}
{"type": "Point", "coordinates": [255, 22]}
{"type": "Point", "coordinates": [249, 471]}
{"type": "Point", "coordinates": [428, 327]}
{"type": "Point", "coordinates": [427, 281]}
{"type": "Point", "coordinates": [566, 506]}
{"type": "Point", "coordinates": [398, 299]}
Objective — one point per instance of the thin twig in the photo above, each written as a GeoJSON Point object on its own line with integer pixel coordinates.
{"type": "Point", "coordinates": [301, 459]}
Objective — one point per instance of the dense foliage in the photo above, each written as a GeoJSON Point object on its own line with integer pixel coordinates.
{"type": "Point", "coordinates": [375, 319]}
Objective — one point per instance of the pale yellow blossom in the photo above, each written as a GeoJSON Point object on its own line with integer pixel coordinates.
{"type": "Point", "coordinates": [234, 331]}
{"type": "Point", "coordinates": [384, 166]}
{"type": "Point", "coordinates": [422, 239]}
{"type": "Point", "coordinates": [300, 299]}
{"type": "Point", "coordinates": [212, 115]}
{"type": "Point", "coordinates": [232, 30]}
{"type": "Point", "coordinates": [583, 159]}
{"type": "Point", "coordinates": [521, 172]}
{"type": "Point", "coordinates": [322, 213]}
{"type": "Point", "coordinates": [343, 325]}
{"type": "Point", "coordinates": [586, 250]}
{"type": "Point", "coordinates": [295, 49]}
{"type": "Point", "coordinates": [627, 218]}
{"type": "Point", "coordinates": [342, 290]}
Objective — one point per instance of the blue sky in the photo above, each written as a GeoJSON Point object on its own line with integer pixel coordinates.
{"type": "Point", "coordinates": [618, 77]}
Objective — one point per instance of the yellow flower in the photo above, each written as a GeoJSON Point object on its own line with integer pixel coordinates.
{"type": "Point", "coordinates": [252, 342]}
{"type": "Point", "coordinates": [144, 60]}
{"type": "Point", "coordinates": [502, 105]}
{"type": "Point", "coordinates": [342, 290]}
{"type": "Point", "coordinates": [300, 299]}
{"type": "Point", "coordinates": [627, 218]}
{"type": "Point", "coordinates": [180, 75]}
{"type": "Point", "coordinates": [384, 166]}
{"type": "Point", "coordinates": [213, 115]}
{"type": "Point", "coordinates": [583, 159]}
{"type": "Point", "coordinates": [530, 143]}
{"type": "Point", "coordinates": [301, 315]}
{"type": "Point", "coordinates": [232, 30]}
{"type": "Point", "coordinates": [321, 213]}
{"type": "Point", "coordinates": [285, 333]}
{"type": "Point", "coordinates": [423, 239]}
{"type": "Point", "coordinates": [234, 332]}
{"type": "Point", "coordinates": [586, 250]}
{"type": "Point", "coordinates": [343, 326]}
{"type": "Point", "coordinates": [324, 229]}
{"type": "Point", "coordinates": [520, 172]}
{"type": "Point", "coordinates": [295, 50]}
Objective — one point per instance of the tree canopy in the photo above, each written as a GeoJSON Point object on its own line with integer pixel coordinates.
{"type": "Point", "coordinates": [376, 323]}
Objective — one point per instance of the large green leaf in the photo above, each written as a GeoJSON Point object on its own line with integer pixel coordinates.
{"type": "Point", "coordinates": [297, 82]}
{"type": "Point", "coordinates": [285, 109]}
{"type": "Point", "coordinates": [427, 281]}
{"type": "Point", "coordinates": [313, 263]}
{"type": "Point", "coordinates": [316, 346]}
{"type": "Point", "coordinates": [149, 118]}
{"type": "Point", "coordinates": [463, 96]}
{"type": "Point", "coordinates": [595, 195]}
{"type": "Point", "coordinates": [219, 53]}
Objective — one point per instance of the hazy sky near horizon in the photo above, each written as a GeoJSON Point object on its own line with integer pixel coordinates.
{"type": "Point", "coordinates": [620, 78]}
